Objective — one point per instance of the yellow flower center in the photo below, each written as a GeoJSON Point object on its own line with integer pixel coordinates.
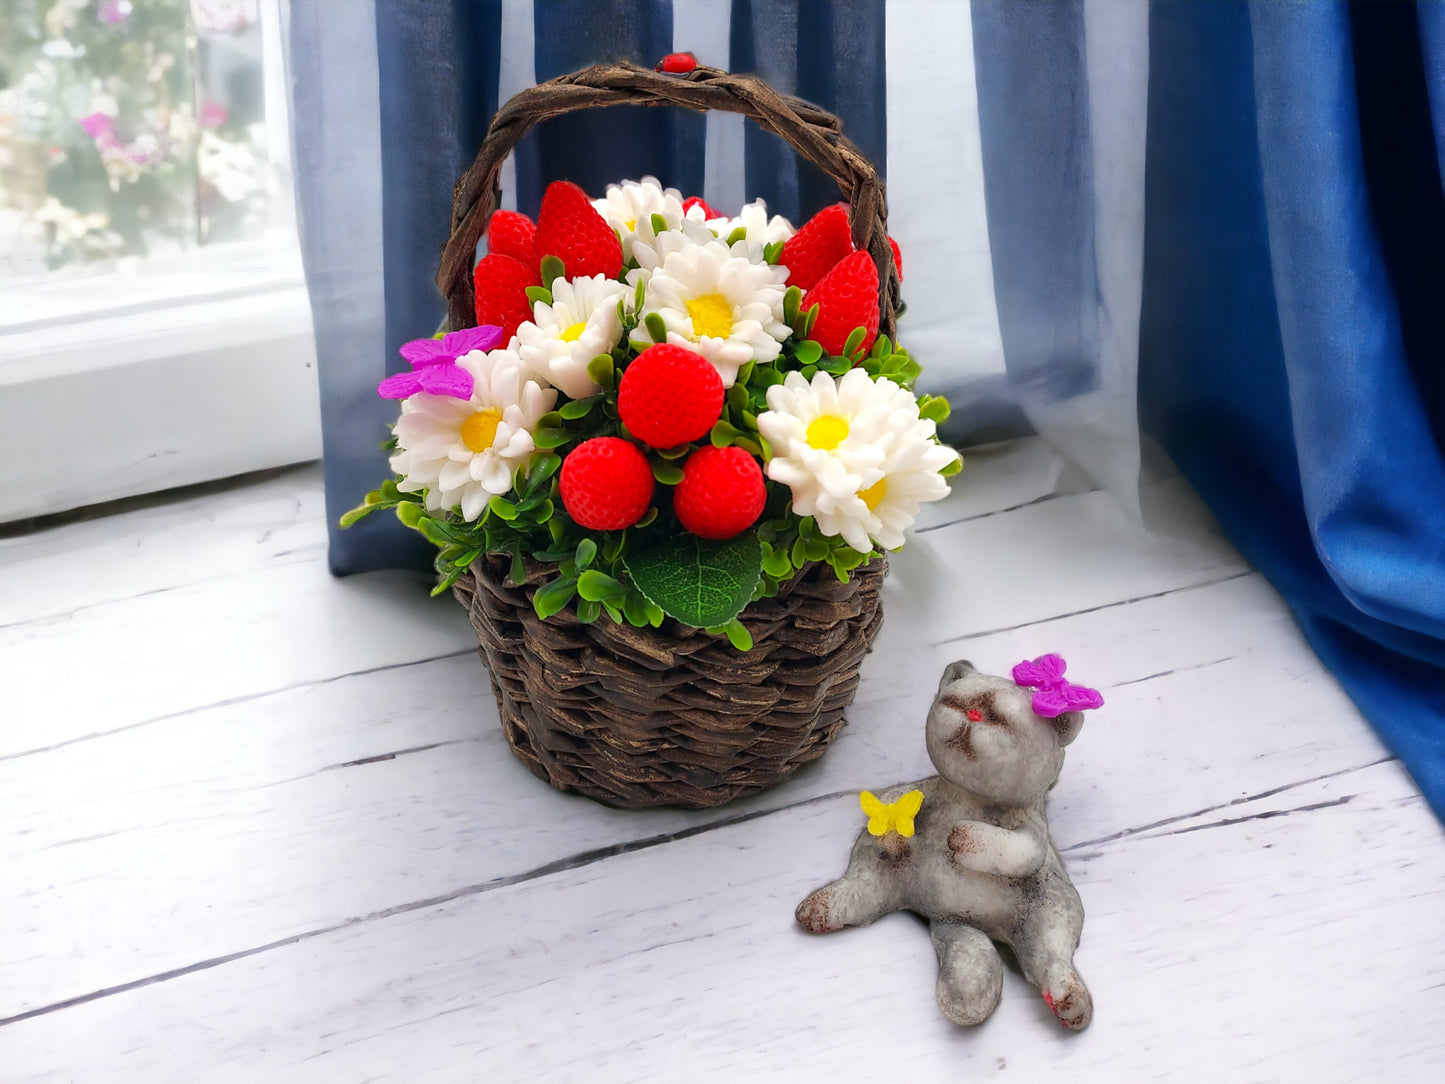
{"type": "Point", "coordinates": [827, 431]}
{"type": "Point", "coordinates": [480, 429]}
{"type": "Point", "coordinates": [874, 494]}
{"type": "Point", "coordinates": [711, 315]}
{"type": "Point", "coordinates": [573, 333]}
{"type": "Point", "coordinates": [632, 225]}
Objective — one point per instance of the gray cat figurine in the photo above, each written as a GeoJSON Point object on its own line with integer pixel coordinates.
{"type": "Point", "coordinates": [969, 848]}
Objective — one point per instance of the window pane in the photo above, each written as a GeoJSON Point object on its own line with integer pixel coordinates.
{"type": "Point", "coordinates": [134, 129]}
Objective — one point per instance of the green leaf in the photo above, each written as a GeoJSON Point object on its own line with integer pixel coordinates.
{"type": "Point", "coordinates": [791, 300]}
{"type": "Point", "coordinates": [739, 234]}
{"type": "Point", "coordinates": [750, 446]}
{"type": "Point", "coordinates": [659, 224]}
{"type": "Point", "coordinates": [809, 319]}
{"type": "Point", "coordinates": [550, 438]}
{"type": "Point", "coordinates": [737, 398]}
{"type": "Point", "coordinates": [808, 352]}
{"type": "Point", "coordinates": [551, 268]}
{"type": "Point", "coordinates": [647, 517]}
{"type": "Point", "coordinates": [639, 294]}
{"type": "Point", "coordinates": [934, 408]}
{"type": "Point", "coordinates": [597, 586]}
{"type": "Point", "coordinates": [656, 327]}
{"type": "Point", "coordinates": [771, 253]}
{"type": "Point", "coordinates": [539, 293]}
{"type": "Point", "coordinates": [361, 511]}
{"type": "Point", "coordinates": [799, 552]}
{"type": "Point", "coordinates": [602, 370]}
{"type": "Point", "coordinates": [433, 531]}
{"type": "Point", "coordinates": [410, 514]}
{"type": "Point", "coordinates": [952, 468]}
{"type": "Point", "coordinates": [701, 583]}
{"type": "Point", "coordinates": [539, 468]}
{"type": "Point", "coordinates": [634, 607]}
{"type": "Point", "coordinates": [588, 612]}
{"type": "Point", "coordinates": [503, 508]}
{"type": "Point", "coordinates": [554, 595]}
{"type": "Point", "coordinates": [746, 372]}
{"type": "Point", "coordinates": [778, 565]}
{"type": "Point", "coordinates": [723, 435]}
{"type": "Point", "coordinates": [854, 341]}
{"type": "Point", "coordinates": [738, 634]}
{"type": "Point", "coordinates": [578, 408]}
{"type": "Point", "coordinates": [666, 473]}
{"type": "Point", "coordinates": [586, 551]}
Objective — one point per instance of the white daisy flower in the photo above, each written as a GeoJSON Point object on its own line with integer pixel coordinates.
{"type": "Point", "coordinates": [629, 207]}
{"type": "Point", "coordinates": [760, 230]}
{"type": "Point", "coordinates": [580, 323]}
{"type": "Point", "coordinates": [650, 248]}
{"type": "Point", "coordinates": [727, 309]}
{"type": "Point", "coordinates": [855, 453]}
{"type": "Point", "coordinates": [462, 452]}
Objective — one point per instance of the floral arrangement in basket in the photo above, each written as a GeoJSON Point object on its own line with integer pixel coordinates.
{"type": "Point", "coordinates": [675, 409]}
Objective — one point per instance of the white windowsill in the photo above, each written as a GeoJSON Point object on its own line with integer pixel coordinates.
{"type": "Point", "coordinates": [202, 369]}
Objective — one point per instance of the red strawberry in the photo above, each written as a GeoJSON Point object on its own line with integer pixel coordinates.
{"type": "Point", "coordinates": [669, 395]}
{"type": "Point", "coordinates": [897, 257]}
{"type": "Point", "coordinates": [501, 283]}
{"type": "Point", "coordinates": [677, 63]}
{"type": "Point", "coordinates": [816, 248]}
{"type": "Point", "coordinates": [570, 228]}
{"type": "Point", "coordinates": [847, 297]}
{"type": "Point", "coordinates": [512, 234]}
{"type": "Point", "coordinates": [721, 493]}
{"type": "Point", "coordinates": [696, 201]}
{"type": "Point", "coordinates": [606, 484]}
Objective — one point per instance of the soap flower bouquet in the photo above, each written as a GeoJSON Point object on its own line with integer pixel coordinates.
{"type": "Point", "coordinates": [671, 410]}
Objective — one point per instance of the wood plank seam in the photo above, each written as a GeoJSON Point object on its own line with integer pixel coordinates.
{"type": "Point", "coordinates": [1143, 828]}
{"type": "Point", "coordinates": [244, 698]}
{"type": "Point", "coordinates": [1094, 609]}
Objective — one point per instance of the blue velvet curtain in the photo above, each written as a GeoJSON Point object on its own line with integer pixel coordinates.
{"type": "Point", "coordinates": [1292, 325]}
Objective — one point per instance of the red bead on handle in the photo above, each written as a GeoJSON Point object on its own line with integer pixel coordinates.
{"type": "Point", "coordinates": [677, 63]}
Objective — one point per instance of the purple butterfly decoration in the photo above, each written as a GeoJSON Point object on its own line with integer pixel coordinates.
{"type": "Point", "coordinates": [1052, 694]}
{"type": "Point", "coordinates": [434, 367]}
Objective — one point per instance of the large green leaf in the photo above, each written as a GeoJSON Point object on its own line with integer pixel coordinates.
{"type": "Point", "coordinates": [700, 583]}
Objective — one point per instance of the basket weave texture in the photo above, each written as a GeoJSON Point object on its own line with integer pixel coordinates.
{"type": "Point", "coordinates": [671, 716]}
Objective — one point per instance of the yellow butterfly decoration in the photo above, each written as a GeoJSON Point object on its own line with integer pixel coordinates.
{"type": "Point", "coordinates": [893, 816]}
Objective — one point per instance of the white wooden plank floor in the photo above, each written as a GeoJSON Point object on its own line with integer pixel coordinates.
{"type": "Point", "coordinates": [260, 824]}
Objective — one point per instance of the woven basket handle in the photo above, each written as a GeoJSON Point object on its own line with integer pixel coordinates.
{"type": "Point", "coordinates": [812, 132]}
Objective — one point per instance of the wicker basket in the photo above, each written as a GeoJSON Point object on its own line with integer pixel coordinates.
{"type": "Point", "coordinates": [671, 716]}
